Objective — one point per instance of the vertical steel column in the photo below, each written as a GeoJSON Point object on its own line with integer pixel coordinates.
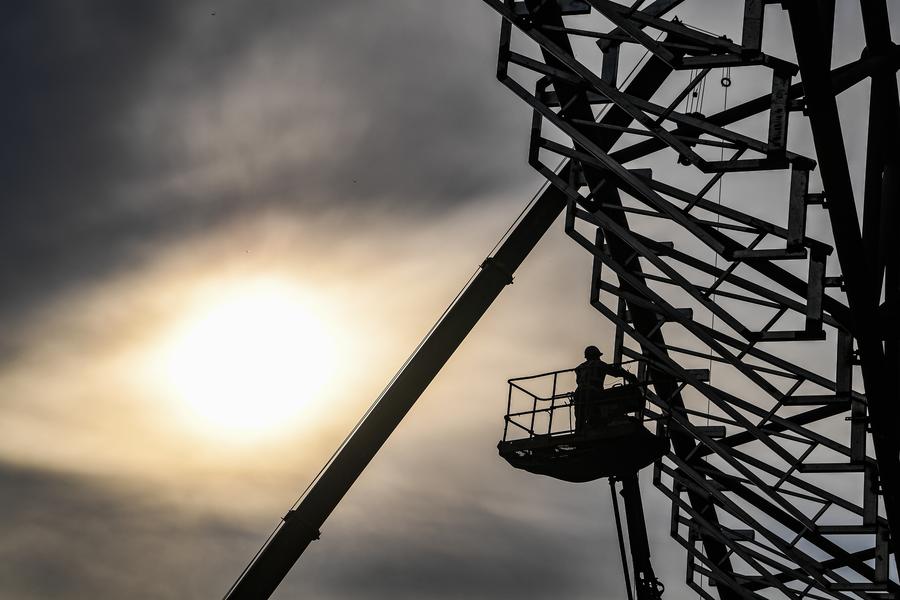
{"type": "Point", "coordinates": [808, 27]}
{"type": "Point", "coordinates": [880, 222]}
{"type": "Point", "coordinates": [615, 503]}
{"type": "Point", "coordinates": [645, 581]}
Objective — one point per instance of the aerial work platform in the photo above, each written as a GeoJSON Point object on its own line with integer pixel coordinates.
{"type": "Point", "coordinates": [542, 434]}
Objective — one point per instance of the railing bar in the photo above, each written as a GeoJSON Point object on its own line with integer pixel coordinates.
{"type": "Point", "coordinates": [540, 375]}
{"type": "Point", "coordinates": [552, 404]}
{"type": "Point", "coordinates": [508, 410]}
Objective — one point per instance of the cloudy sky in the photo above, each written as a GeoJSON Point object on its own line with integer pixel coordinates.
{"type": "Point", "coordinates": [180, 180]}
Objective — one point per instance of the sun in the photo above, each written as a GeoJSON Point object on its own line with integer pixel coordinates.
{"type": "Point", "coordinates": [245, 365]}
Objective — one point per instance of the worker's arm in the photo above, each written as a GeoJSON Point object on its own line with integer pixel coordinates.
{"type": "Point", "coordinates": [618, 371]}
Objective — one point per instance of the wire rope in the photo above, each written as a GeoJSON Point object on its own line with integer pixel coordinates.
{"type": "Point", "coordinates": [726, 76]}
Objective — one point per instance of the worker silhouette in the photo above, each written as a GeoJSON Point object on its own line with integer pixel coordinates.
{"type": "Point", "coordinates": [590, 377]}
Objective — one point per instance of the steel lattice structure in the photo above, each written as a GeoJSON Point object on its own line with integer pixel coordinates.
{"type": "Point", "coordinates": [783, 473]}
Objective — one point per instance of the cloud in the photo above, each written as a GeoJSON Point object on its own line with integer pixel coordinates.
{"type": "Point", "coordinates": [136, 126]}
{"type": "Point", "coordinates": [361, 147]}
{"type": "Point", "coordinates": [66, 536]}
{"type": "Point", "coordinates": [74, 71]}
{"type": "Point", "coordinates": [81, 537]}
{"type": "Point", "coordinates": [437, 515]}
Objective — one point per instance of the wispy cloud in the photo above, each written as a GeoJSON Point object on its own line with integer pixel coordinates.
{"type": "Point", "coordinates": [155, 151]}
{"type": "Point", "coordinates": [134, 126]}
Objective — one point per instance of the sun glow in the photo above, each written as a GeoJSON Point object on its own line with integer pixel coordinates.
{"type": "Point", "coordinates": [247, 365]}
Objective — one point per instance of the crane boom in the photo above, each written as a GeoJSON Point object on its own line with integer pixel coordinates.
{"type": "Point", "coordinates": [301, 525]}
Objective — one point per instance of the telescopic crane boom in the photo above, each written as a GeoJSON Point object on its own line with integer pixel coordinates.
{"type": "Point", "coordinates": [301, 525]}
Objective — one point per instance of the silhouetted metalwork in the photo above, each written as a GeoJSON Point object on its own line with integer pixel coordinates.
{"type": "Point", "coordinates": [783, 475]}
{"type": "Point", "coordinates": [784, 466]}
{"type": "Point", "coordinates": [550, 429]}
{"type": "Point", "coordinates": [541, 433]}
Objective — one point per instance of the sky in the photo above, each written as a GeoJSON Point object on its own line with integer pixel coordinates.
{"type": "Point", "coordinates": [165, 166]}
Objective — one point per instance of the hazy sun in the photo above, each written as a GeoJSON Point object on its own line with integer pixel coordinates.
{"type": "Point", "coordinates": [245, 365]}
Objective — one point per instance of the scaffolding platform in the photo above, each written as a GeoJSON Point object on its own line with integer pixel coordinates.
{"type": "Point", "coordinates": [543, 437]}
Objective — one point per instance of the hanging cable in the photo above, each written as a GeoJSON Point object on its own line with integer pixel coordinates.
{"type": "Point", "coordinates": [701, 95]}
{"type": "Point", "coordinates": [725, 82]}
{"type": "Point", "coordinates": [694, 95]}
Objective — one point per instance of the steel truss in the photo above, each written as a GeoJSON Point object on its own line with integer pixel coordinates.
{"type": "Point", "coordinates": [784, 474]}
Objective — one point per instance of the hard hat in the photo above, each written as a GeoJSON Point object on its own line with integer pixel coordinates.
{"type": "Point", "coordinates": [592, 352]}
